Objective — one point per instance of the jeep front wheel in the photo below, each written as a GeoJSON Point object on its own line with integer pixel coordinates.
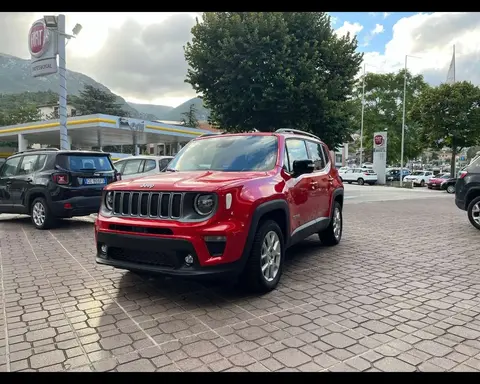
{"type": "Point", "coordinates": [265, 264]}
{"type": "Point", "coordinates": [333, 233]}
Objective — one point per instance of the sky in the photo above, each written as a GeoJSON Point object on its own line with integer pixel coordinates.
{"type": "Point", "coordinates": [140, 55]}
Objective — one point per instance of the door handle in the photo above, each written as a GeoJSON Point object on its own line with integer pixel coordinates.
{"type": "Point", "coordinates": [8, 183]}
{"type": "Point", "coordinates": [29, 180]}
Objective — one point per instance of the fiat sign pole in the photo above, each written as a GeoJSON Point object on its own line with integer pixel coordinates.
{"type": "Point", "coordinates": [62, 107]}
{"type": "Point", "coordinates": [46, 40]}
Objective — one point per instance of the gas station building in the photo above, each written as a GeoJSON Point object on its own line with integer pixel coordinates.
{"type": "Point", "coordinates": [100, 130]}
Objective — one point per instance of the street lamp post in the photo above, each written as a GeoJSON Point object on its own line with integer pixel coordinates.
{"type": "Point", "coordinates": [403, 117]}
{"type": "Point", "coordinates": [363, 110]}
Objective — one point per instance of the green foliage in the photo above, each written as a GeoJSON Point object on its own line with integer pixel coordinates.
{"type": "Point", "coordinates": [190, 118]}
{"type": "Point", "coordinates": [10, 102]}
{"type": "Point", "coordinates": [93, 101]}
{"type": "Point", "coordinates": [18, 115]}
{"type": "Point", "coordinates": [268, 70]}
{"type": "Point", "coordinates": [384, 111]}
{"type": "Point", "coordinates": [449, 116]}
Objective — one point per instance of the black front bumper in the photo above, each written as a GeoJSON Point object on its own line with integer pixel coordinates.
{"type": "Point", "coordinates": [157, 255]}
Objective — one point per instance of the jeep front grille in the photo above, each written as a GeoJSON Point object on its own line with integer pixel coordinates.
{"type": "Point", "coordinates": [164, 205]}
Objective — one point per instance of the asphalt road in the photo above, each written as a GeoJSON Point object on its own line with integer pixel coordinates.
{"type": "Point", "coordinates": [400, 293]}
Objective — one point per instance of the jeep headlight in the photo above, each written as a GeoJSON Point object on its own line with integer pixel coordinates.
{"type": "Point", "coordinates": [109, 200]}
{"type": "Point", "coordinates": [204, 204]}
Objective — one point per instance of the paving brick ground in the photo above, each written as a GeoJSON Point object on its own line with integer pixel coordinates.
{"type": "Point", "coordinates": [401, 293]}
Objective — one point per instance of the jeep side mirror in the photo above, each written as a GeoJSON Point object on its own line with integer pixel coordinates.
{"type": "Point", "coordinates": [301, 167]}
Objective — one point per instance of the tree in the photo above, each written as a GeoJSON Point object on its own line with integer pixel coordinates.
{"type": "Point", "coordinates": [384, 111]}
{"type": "Point", "coordinates": [190, 117]}
{"type": "Point", "coordinates": [449, 116]}
{"type": "Point", "coordinates": [93, 100]}
{"type": "Point", "coordinates": [268, 70]}
{"type": "Point", "coordinates": [18, 115]}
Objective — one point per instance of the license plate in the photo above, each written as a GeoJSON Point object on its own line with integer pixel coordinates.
{"type": "Point", "coordinates": [94, 181]}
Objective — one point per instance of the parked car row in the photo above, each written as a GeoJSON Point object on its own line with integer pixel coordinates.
{"type": "Point", "coordinates": [230, 204]}
{"type": "Point", "coordinates": [360, 176]}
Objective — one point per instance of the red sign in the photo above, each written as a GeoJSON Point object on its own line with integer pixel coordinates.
{"type": "Point", "coordinates": [38, 39]}
{"type": "Point", "coordinates": [378, 140]}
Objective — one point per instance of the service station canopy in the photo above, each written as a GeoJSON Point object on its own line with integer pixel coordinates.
{"type": "Point", "coordinates": [113, 130]}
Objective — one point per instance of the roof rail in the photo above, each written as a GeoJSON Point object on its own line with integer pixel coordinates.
{"type": "Point", "coordinates": [296, 131]}
{"type": "Point", "coordinates": [37, 150]}
{"type": "Point", "coordinates": [209, 134]}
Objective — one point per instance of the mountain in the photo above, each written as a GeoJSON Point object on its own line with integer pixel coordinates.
{"type": "Point", "coordinates": [176, 113]}
{"type": "Point", "coordinates": [15, 78]}
{"type": "Point", "coordinates": [159, 111]}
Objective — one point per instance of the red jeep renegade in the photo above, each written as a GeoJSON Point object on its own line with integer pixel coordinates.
{"type": "Point", "coordinates": [226, 204]}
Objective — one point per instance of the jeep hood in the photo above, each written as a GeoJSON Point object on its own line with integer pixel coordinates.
{"type": "Point", "coordinates": [207, 181]}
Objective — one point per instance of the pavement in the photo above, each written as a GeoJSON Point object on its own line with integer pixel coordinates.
{"type": "Point", "coordinates": [400, 293]}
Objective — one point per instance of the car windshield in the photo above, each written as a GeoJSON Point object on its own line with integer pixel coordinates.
{"type": "Point", "coordinates": [84, 162]}
{"type": "Point", "coordinates": [418, 173]}
{"type": "Point", "coordinates": [227, 154]}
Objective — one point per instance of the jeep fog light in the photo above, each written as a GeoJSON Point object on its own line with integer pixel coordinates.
{"type": "Point", "coordinates": [104, 249]}
{"type": "Point", "coordinates": [189, 259]}
{"type": "Point", "coordinates": [204, 204]}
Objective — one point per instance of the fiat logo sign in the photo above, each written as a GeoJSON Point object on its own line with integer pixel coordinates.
{"type": "Point", "coordinates": [38, 39]}
{"type": "Point", "coordinates": [379, 140]}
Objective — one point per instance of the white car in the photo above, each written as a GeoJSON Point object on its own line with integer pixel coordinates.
{"type": "Point", "coordinates": [359, 175]}
{"type": "Point", "coordinates": [139, 166]}
{"type": "Point", "coordinates": [420, 178]}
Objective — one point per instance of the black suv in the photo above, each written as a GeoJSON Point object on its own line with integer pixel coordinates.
{"type": "Point", "coordinates": [49, 184]}
{"type": "Point", "coordinates": [467, 191]}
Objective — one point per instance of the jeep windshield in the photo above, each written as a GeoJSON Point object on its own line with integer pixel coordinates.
{"type": "Point", "coordinates": [228, 154]}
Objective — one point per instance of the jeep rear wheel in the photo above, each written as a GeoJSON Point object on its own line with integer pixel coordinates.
{"type": "Point", "coordinates": [333, 233]}
{"type": "Point", "coordinates": [265, 264]}
{"type": "Point", "coordinates": [360, 181]}
{"type": "Point", "coordinates": [451, 189]}
{"type": "Point", "coordinates": [42, 218]}
{"type": "Point", "coordinates": [473, 212]}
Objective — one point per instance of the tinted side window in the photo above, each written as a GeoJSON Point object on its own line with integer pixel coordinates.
{"type": "Point", "coordinates": [297, 150]}
{"type": "Point", "coordinates": [149, 165]}
{"type": "Point", "coordinates": [326, 155]}
{"type": "Point", "coordinates": [286, 162]}
{"type": "Point", "coordinates": [40, 162]}
{"type": "Point", "coordinates": [316, 155]}
{"type": "Point", "coordinates": [28, 165]}
{"type": "Point", "coordinates": [132, 167]}
{"type": "Point", "coordinates": [10, 167]}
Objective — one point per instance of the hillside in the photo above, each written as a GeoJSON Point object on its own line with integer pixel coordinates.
{"type": "Point", "coordinates": [176, 113]}
{"type": "Point", "coordinates": [159, 111]}
{"type": "Point", "coordinates": [15, 78]}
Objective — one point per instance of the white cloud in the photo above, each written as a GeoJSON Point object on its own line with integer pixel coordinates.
{"type": "Point", "coordinates": [386, 14]}
{"type": "Point", "coordinates": [431, 37]}
{"type": "Point", "coordinates": [347, 27]}
{"type": "Point", "coordinates": [378, 29]}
